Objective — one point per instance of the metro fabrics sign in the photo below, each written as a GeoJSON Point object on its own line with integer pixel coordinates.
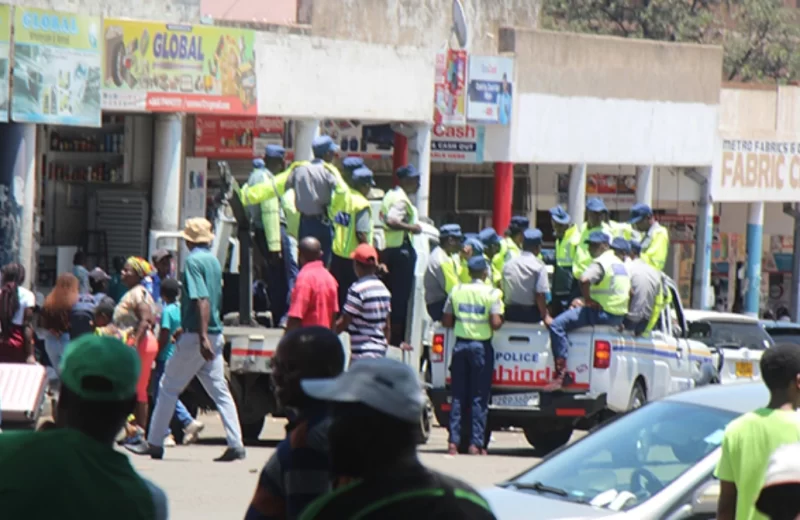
{"type": "Point", "coordinates": [755, 170]}
{"type": "Point", "coordinates": [457, 144]}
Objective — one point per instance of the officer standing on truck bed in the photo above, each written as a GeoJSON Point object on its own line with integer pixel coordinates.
{"type": "Point", "coordinates": [441, 276]}
{"type": "Point", "coordinates": [475, 311]}
{"type": "Point", "coordinates": [491, 247]}
{"type": "Point", "coordinates": [564, 287]}
{"type": "Point", "coordinates": [606, 288]}
{"type": "Point", "coordinates": [655, 237]}
{"type": "Point", "coordinates": [525, 283]}
{"type": "Point", "coordinates": [595, 211]}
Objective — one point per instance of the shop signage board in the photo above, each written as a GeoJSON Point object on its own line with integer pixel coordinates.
{"type": "Point", "coordinates": [756, 170]}
{"type": "Point", "coordinates": [57, 62]}
{"type": "Point", "coordinates": [490, 92]}
{"type": "Point", "coordinates": [618, 191]}
{"type": "Point", "coordinates": [5, 59]}
{"type": "Point", "coordinates": [161, 67]}
{"type": "Point", "coordinates": [450, 88]}
{"type": "Point", "coordinates": [193, 201]}
{"type": "Point", "coordinates": [232, 137]}
{"type": "Point", "coordinates": [458, 144]}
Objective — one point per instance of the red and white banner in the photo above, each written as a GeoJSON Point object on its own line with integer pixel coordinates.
{"type": "Point", "coordinates": [231, 137]}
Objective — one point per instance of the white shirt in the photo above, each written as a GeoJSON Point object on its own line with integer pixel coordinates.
{"type": "Point", "coordinates": [27, 300]}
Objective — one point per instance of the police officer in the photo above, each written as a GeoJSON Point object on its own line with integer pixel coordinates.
{"type": "Point", "coordinates": [474, 310]}
{"type": "Point", "coordinates": [655, 237]}
{"type": "Point", "coordinates": [352, 226]}
{"type": "Point", "coordinates": [525, 283]}
{"type": "Point", "coordinates": [491, 248]}
{"type": "Point", "coordinates": [350, 164]}
{"type": "Point", "coordinates": [595, 214]}
{"type": "Point", "coordinates": [472, 247]}
{"type": "Point", "coordinates": [264, 217]}
{"type": "Point", "coordinates": [399, 217]}
{"type": "Point", "coordinates": [618, 229]}
{"type": "Point", "coordinates": [649, 294]}
{"type": "Point", "coordinates": [442, 272]}
{"type": "Point", "coordinates": [606, 288]}
{"type": "Point", "coordinates": [511, 243]}
{"type": "Point", "coordinates": [564, 289]}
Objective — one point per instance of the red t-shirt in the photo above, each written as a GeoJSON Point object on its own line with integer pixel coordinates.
{"type": "Point", "coordinates": [315, 298]}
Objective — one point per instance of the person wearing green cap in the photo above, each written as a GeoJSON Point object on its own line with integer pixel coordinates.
{"type": "Point", "coordinates": [75, 463]}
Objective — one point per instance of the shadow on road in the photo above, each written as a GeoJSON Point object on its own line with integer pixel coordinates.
{"type": "Point", "coordinates": [220, 441]}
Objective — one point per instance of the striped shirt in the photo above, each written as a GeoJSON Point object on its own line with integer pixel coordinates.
{"type": "Point", "coordinates": [369, 304]}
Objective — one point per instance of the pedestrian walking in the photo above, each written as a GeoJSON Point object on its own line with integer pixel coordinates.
{"type": "Point", "coordinates": [474, 311]}
{"type": "Point", "coordinates": [376, 411]}
{"type": "Point", "coordinates": [16, 312]}
{"type": "Point", "coordinates": [72, 471]}
{"type": "Point", "coordinates": [198, 351]}
{"type": "Point", "coordinates": [298, 472]}
{"type": "Point", "coordinates": [366, 314]}
{"type": "Point", "coordinates": [80, 272]}
{"type": "Point", "coordinates": [750, 440]}
{"type": "Point", "coordinates": [315, 299]}
{"type": "Point", "coordinates": [54, 317]}
{"type": "Point", "coordinates": [162, 262]}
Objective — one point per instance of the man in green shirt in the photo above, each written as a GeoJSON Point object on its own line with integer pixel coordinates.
{"type": "Point", "coordinates": [73, 471]}
{"type": "Point", "coordinates": [751, 439]}
{"type": "Point", "coordinates": [199, 349]}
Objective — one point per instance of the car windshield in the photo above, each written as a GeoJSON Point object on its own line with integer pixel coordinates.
{"type": "Point", "coordinates": [734, 334]}
{"type": "Point", "coordinates": [629, 460]}
{"type": "Point", "coordinates": [784, 335]}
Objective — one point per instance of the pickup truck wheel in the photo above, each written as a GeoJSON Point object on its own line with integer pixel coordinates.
{"type": "Point", "coordinates": [425, 422]}
{"type": "Point", "coordinates": [638, 396]}
{"type": "Point", "coordinates": [547, 440]}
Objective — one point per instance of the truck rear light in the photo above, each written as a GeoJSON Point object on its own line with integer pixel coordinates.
{"type": "Point", "coordinates": [602, 354]}
{"type": "Point", "coordinates": [437, 348]}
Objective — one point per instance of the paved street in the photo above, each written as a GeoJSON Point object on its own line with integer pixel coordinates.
{"type": "Point", "coordinates": [200, 488]}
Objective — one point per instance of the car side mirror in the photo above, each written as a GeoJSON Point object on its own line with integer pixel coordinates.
{"type": "Point", "coordinates": [703, 505]}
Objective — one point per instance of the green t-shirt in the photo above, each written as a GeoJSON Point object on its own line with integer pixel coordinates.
{"type": "Point", "coordinates": [67, 475]}
{"type": "Point", "coordinates": [746, 448]}
{"type": "Point", "coordinates": [202, 279]}
{"type": "Point", "coordinates": [171, 321]}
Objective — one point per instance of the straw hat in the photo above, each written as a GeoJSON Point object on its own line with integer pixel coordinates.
{"type": "Point", "coordinates": [198, 231]}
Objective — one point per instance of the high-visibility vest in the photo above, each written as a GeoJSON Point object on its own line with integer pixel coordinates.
{"type": "Point", "coordinates": [613, 292]}
{"type": "Point", "coordinates": [512, 249]}
{"type": "Point", "coordinates": [663, 298]}
{"type": "Point", "coordinates": [291, 214]}
{"type": "Point", "coordinates": [620, 229]}
{"type": "Point", "coordinates": [465, 277]}
{"type": "Point", "coordinates": [565, 248]}
{"type": "Point", "coordinates": [345, 209]}
{"type": "Point", "coordinates": [582, 258]}
{"type": "Point", "coordinates": [655, 247]}
{"type": "Point", "coordinates": [396, 237]}
{"type": "Point", "coordinates": [472, 305]}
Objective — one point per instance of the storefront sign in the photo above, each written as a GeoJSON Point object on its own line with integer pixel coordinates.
{"type": "Point", "coordinates": [5, 53]}
{"type": "Point", "coordinates": [450, 103]}
{"type": "Point", "coordinates": [194, 188]}
{"type": "Point", "coordinates": [373, 140]}
{"type": "Point", "coordinates": [57, 61]}
{"type": "Point", "coordinates": [490, 89]}
{"type": "Point", "coordinates": [457, 144]}
{"type": "Point", "coordinates": [752, 170]}
{"type": "Point", "coordinates": [158, 67]}
{"type": "Point", "coordinates": [224, 137]}
{"type": "Point", "coordinates": [615, 190]}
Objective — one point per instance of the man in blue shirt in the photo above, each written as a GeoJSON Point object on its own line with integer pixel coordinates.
{"type": "Point", "coordinates": [162, 261]}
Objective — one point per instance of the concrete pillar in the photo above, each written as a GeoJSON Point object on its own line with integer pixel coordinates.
{"type": "Point", "coordinates": [399, 155]}
{"type": "Point", "coordinates": [168, 156]}
{"type": "Point", "coordinates": [701, 276]}
{"type": "Point", "coordinates": [755, 233]}
{"type": "Point", "coordinates": [533, 179]}
{"type": "Point", "coordinates": [503, 195]}
{"type": "Point", "coordinates": [419, 155]}
{"type": "Point", "coordinates": [645, 179]}
{"type": "Point", "coordinates": [17, 192]}
{"type": "Point", "coordinates": [795, 294]}
{"type": "Point", "coordinates": [307, 130]}
{"type": "Point", "coordinates": [576, 201]}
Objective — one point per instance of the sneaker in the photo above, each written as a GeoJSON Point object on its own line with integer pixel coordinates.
{"type": "Point", "coordinates": [134, 437]}
{"type": "Point", "coordinates": [144, 448]}
{"type": "Point", "coordinates": [169, 441]}
{"type": "Point", "coordinates": [231, 454]}
{"type": "Point", "coordinates": [192, 432]}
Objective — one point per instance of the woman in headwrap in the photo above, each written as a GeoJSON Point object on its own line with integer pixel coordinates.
{"type": "Point", "coordinates": [134, 315]}
{"type": "Point", "coordinates": [54, 317]}
{"type": "Point", "coordinates": [16, 312]}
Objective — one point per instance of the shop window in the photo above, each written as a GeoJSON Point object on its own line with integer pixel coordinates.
{"type": "Point", "coordinates": [475, 193]}
{"type": "Point", "coordinates": [521, 201]}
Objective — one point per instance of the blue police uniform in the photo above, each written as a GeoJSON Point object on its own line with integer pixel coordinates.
{"type": "Point", "coordinates": [472, 364]}
{"type": "Point", "coordinates": [524, 277]}
{"type": "Point", "coordinates": [441, 276]}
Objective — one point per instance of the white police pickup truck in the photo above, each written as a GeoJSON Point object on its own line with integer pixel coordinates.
{"type": "Point", "coordinates": [613, 371]}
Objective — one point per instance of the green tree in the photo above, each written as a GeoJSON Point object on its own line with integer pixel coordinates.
{"type": "Point", "coordinates": [760, 37]}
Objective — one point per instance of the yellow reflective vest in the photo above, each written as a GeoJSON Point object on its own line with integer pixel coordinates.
{"type": "Point", "coordinates": [396, 237]}
{"type": "Point", "coordinates": [582, 258]}
{"type": "Point", "coordinates": [613, 292]}
{"type": "Point", "coordinates": [345, 208]}
{"type": "Point", "coordinates": [655, 246]}
{"type": "Point", "coordinates": [472, 304]}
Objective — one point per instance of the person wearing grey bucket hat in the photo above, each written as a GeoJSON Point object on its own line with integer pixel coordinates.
{"type": "Point", "coordinates": [377, 405]}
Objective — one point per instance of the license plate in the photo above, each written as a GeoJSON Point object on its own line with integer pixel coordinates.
{"type": "Point", "coordinates": [744, 369]}
{"type": "Point", "coordinates": [529, 399]}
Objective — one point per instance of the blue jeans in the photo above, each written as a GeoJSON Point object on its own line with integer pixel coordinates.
{"type": "Point", "coordinates": [54, 346]}
{"type": "Point", "coordinates": [181, 413]}
{"type": "Point", "coordinates": [289, 248]}
{"type": "Point", "coordinates": [182, 367]}
{"type": "Point", "coordinates": [574, 319]}
{"type": "Point", "coordinates": [523, 313]}
{"type": "Point", "coordinates": [400, 261]}
{"type": "Point", "coordinates": [637, 327]}
{"type": "Point", "coordinates": [320, 228]}
{"type": "Point", "coordinates": [471, 381]}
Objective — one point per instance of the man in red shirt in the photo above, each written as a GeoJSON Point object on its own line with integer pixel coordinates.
{"type": "Point", "coordinates": [315, 300]}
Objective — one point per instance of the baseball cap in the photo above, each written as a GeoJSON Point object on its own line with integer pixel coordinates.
{"type": "Point", "coordinates": [636, 246]}
{"type": "Point", "coordinates": [597, 237]}
{"type": "Point", "coordinates": [258, 163]}
{"type": "Point", "coordinates": [365, 254]}
{"type": "Point", "coordinates": [640, 211]}
{"type": "Point", "coordinates": [783, 469]}
{"type": "Point", "coordinates": [596, 205]}
{"type": "Point", "coordinates": [620, 244]}
{"type": "Point", "coordinates": [489, 236]}
{"type": "Point", "coordinates": [322, 145]}
{"type": "Point", "coordinates": [100, 368]}
{"type": "Point", "coordinates": [275, 151]}
{"type": "Point", "coordinates": [450, 230]}
{"type": "Point", "coordinates": [352, 163]}
{"type": "Point", "coordinates": [559, 215]}
{"type": "Point", "coordinates": [98, 275]}
{"type": "Point", "coordinates": [477, 263]}
{"type": "Point", "coordinates": [407, 172]}
{"type": "Point", "coordinates": [519, 223]}
{"type": "Point", "coordinates": [161, 254]}
{"type": "Point", "coordinates": [363, 175]}
{"type": "Point", "coordinates": [476, 244]}
{"type": "Point", "coordinates": [532, 237]}
{"type": "Point", "coordinates": [385, 385]}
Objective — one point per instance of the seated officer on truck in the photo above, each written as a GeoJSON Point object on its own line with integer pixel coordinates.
{"type": "Point", "coordinates": [525, 283]}
{"type": "Point", "coordinates": [606, 289]}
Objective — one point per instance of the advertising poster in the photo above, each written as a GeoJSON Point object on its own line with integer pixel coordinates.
{"type": "Point", "coordinates": [616, 190]}
{"type": "Point", "coordinates": [232, 137]}
{"type": "Point", "coordinates": [160, 67]}
{"type": "Point", "coordinates": [490, 92]}
{"type": "Point", "coordinates": [57, 60]}
{"type": "Point", "coordinates": [450, 103]}
{"type": "Point", "coordinates": [5, 53]}
{"type": "Point", "coordinates": [374, 140]}
{"type": "Point", "coordinates": [194, 188]}
{"type": "Point", "coordinates": [457, 144]}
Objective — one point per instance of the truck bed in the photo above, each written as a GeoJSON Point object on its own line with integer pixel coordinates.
{"type": "Point", "coordinates": [252, 348]}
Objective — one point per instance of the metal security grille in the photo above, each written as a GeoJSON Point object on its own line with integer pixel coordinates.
{"type": "Point", "coordinates": [124, 217]}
